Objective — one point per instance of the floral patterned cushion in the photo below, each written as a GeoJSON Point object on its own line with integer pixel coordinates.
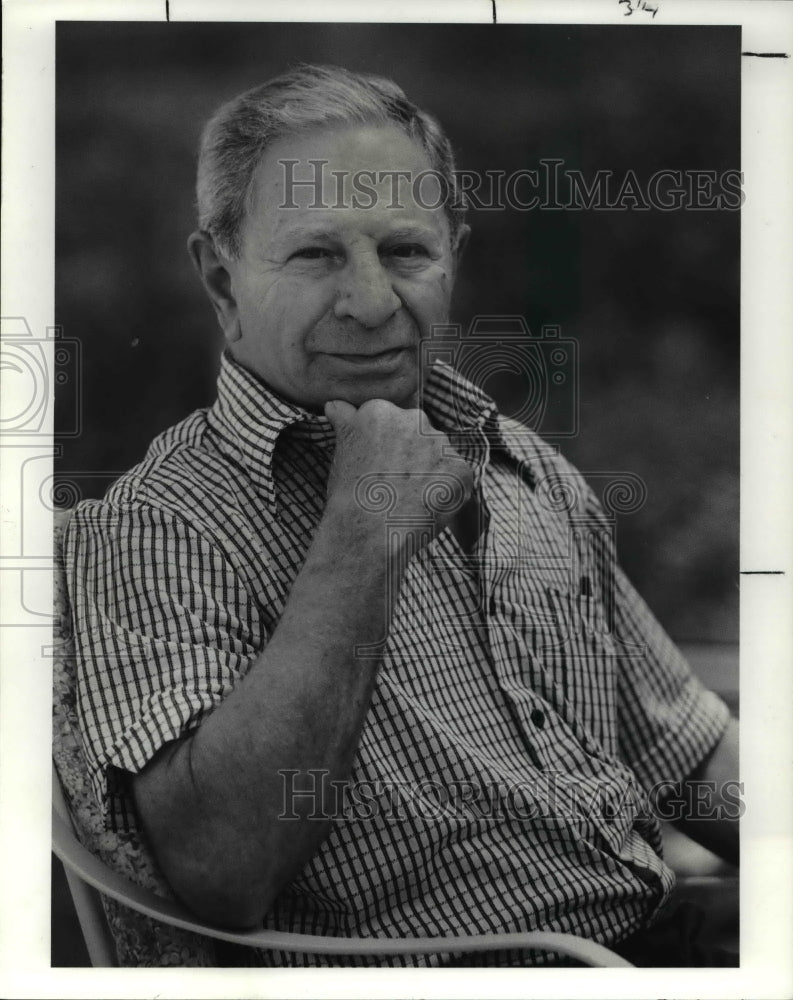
{"type": "Point", "coordinates": [139, 940]}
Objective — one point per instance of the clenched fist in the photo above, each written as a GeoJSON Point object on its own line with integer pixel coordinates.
{"type": "Point", "coordinates": [392, 461]}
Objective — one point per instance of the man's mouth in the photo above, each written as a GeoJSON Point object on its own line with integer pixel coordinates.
{"type": "Point", "coordinates": [375, 358]}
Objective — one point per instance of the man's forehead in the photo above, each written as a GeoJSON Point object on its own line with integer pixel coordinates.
{"type": "Point", "coordinates": [366, 167]}
{"type": "Point", "coordinates": [381, 145]}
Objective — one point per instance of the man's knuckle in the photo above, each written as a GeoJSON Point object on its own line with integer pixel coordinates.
{"type": "Point", "coordinates": [376, 408]}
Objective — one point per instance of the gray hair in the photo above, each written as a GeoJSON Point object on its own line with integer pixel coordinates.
{"type": "Point", "coordinates": [235, 138]}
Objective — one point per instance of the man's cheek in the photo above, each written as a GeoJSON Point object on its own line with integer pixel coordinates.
{"type": "Point", "coordinates": [427, 298]}
{"type": "Point", "coordinates": [297, 303]}
{"type": "Point", "coordinates": [281, 293]}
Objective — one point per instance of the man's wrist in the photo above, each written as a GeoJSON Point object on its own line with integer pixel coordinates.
{"type": "Point", "coordinates": [350, 537]}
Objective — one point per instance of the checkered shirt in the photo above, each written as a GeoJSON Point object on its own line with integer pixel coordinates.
{"type": "Point", "coordinates": [526, 698]}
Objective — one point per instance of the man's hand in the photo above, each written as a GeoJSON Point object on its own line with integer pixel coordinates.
{"type": "Point", "coordinates": [400, 452]}
{"type": "Point", "coordinates": [718, 829]}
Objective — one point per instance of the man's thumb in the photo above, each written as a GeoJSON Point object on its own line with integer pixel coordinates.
{"type": "Point", "coordinates": [340, 413]}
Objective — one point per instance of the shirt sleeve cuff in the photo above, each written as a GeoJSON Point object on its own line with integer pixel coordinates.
{"type": "Point", "coordinates": [699, 721]}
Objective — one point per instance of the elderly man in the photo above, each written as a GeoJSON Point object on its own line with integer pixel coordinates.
{"type": "Point", "coordinates": [279, 674]}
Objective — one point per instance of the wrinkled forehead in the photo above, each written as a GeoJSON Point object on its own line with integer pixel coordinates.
{"type": "Point", "coordinates": [339, 175]}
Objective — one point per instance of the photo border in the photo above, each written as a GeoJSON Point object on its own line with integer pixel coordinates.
{"type": "Point", "coordinates": [766, 531]}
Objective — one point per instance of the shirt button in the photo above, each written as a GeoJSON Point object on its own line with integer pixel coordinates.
{"type": "Point", "coordinates": [538, 718]}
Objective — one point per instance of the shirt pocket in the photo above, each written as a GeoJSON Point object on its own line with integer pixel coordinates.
{"type": "Point", "coordinates": [577, 657]}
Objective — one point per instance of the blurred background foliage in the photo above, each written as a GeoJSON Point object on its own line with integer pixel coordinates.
{"type": "Point", "coordinates": [652, 298]}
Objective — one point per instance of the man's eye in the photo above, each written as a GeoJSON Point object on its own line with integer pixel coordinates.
{"type": "Point", "coordinates": [311, 253]}
{"type": "Point", "coordinates": [408, 251]}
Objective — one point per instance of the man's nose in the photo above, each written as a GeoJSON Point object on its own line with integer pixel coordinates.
{"type": "Point", "coordinates": [366, 293]}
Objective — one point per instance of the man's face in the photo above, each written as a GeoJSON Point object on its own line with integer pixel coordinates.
{"type": "Point", "coordinates": [331, 303]}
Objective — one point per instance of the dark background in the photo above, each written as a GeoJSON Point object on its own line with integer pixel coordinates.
{"type": "Point", "coordinates": [651, 297]}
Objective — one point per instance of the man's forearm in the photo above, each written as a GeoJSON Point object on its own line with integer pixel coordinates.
{"type": "Point", "coordinates": [211, 803]}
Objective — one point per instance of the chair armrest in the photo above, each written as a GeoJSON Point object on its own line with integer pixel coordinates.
{"type": "Point", "coordinates": [90, 869]}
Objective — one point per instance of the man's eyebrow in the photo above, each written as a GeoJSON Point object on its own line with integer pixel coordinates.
{"type": "Point", "coordinates": [413, 232]}
{"type": "Point", "coordinates": [287, 232]}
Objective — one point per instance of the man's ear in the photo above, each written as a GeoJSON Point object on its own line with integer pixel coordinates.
{"type": "Point", "coordinates": [215, 277]}
{"type": "Point", "coordinates": [460, 243]}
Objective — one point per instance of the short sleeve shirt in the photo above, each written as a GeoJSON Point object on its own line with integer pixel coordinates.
{"type": "Point", "coordinates": [526, 702]}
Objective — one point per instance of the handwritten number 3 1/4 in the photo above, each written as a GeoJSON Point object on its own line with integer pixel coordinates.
{"type": "Point", "coordinates": [631, 6]}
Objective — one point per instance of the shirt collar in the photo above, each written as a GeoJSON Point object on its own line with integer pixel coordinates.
{"type": "Point", "coordinates": [249, 417]}
{"type": "Point", "coordinates": [455, 404]}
